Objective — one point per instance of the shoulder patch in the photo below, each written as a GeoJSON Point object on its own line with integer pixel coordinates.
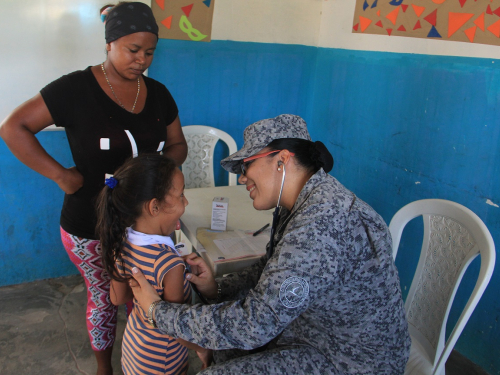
{"type": "Point", "coordinates": [293, 292]}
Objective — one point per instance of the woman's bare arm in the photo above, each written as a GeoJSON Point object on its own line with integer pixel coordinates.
{"type": "Point", "coordinates": [18, 131]}
{"type": "Point", "coordinates": [176, 145]}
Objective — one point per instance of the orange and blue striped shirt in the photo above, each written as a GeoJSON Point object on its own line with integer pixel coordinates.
{"type": "Point", "coordinates": [144, 349]}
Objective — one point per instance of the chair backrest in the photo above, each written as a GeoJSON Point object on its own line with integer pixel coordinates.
{"type": "Point", "coordinates": [453, 237]}
{"type": "Point", "coordinates": [198, 169]}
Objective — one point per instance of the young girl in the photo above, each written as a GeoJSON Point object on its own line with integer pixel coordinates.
{"type": "Point", "coordinates": [137, 210]}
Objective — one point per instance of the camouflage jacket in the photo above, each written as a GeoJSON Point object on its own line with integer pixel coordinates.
{"type": "Point", "coordinates": [331, 284]}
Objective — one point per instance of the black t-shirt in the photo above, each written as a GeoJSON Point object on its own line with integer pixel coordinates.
{"type": "Point", "coordinates": [102, 135]}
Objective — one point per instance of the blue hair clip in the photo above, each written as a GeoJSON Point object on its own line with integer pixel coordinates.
{"type": "Point", "coordinates": [105, 13]}
{"type": "Point", "coordinates": [111, 182]}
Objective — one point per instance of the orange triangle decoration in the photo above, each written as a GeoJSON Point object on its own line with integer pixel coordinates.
{"type": "Point", "coordinates": [389, 31]}
{"type": "Point", "coordinates": [404, 7]}
{"type": "Point", "coordinates": [364, 23]}
{"type": "Point", "coordinates": [187, 9]}
{"type": "Point", "coordinates": [379, 24]}
{"type": "Point", "coordinates": [480, 21]}
{"type": "Point", "coordinates": [161, 4]}
{"type": "Point", "coordinates": [378, 12]}
{"type": "Point", "coordinates": [456, 21]}
{"type": "Point", "coordinates": [495, 29]}
{"type": "Point", "coordinates": [497, 11]}
{"type": "Point", "coordinates": [417, 25]}
{"type": "Point", "coordinates": [432, 17]}
{"type": "Point", "coordinates": [401, 28]}
{"type": "Point", "coordinates": [355, 27]}
{"type": "Point", "coordinates": [167, 22]}
{"type": "Point", "coordinates": [471, 32]}
{"type": "Point", "coordinates": [393, 16]}
{"type": "Point", "coordinates": [418, 10]}
{"type": "Point", "coordinates": [462, 2]}
{"type": "Point", "coordinates": [488, 10]}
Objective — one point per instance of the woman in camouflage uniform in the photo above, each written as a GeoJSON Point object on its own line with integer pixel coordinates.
{"type": "Point", "coordinates": [325, 299]}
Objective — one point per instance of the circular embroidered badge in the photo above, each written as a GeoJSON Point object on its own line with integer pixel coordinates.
{"type": "Point", "coordinates": [293, 292]}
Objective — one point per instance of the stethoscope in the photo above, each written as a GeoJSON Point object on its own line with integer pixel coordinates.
{"type": "Point", "coordinates": [276, 213]}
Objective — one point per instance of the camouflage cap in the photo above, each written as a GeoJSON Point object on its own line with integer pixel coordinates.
{"type": "Point", "coordinates": [258, 135]}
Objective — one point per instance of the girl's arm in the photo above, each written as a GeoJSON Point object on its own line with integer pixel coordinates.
{"type": "Point", "coordinates": [173, 291]}
{"type": "Point", "coordinates": [120, 293]}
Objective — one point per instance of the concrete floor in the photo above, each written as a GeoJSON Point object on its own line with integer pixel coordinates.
{"type": "Point", "coordinates": [43, 331]}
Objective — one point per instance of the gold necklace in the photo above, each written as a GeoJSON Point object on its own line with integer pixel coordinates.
{"type": "Point", "coordinates": [116, 97]}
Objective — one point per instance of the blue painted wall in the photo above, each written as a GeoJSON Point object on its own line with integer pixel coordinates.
{"type": "Point", "coordinates": [401, 127]}
{"type": "Point", "coordinates": [30, 245]}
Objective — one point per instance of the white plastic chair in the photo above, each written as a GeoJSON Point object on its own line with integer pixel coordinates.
{"type": "Point", "coordinates": [198, 169]}
{"type": "Point", "coordinates": [453, 237]}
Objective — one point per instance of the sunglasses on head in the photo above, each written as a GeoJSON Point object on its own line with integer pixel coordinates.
{"type": "Point", "coordinates": [247, 161]}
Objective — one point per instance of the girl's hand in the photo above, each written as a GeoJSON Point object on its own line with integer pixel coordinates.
{"type": "Point", "coordinates": [206, 356]}
{"type": "Point", "coordinates": [143, 291]}
{"type": "Point", "coordinates": [71, 181]}
{"type": "Point", "coordinates": [202, 275]}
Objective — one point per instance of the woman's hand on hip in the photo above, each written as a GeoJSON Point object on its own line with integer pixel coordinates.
{"type": "Point", "coordinates": [201, 276]}
{"type": "Point", "coordinates": [70, 181]}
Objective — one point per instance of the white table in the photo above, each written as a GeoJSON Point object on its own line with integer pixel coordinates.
{"type": "Point", "coordinates": [241, 215]}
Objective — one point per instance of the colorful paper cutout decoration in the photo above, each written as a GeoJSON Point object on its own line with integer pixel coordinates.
{"type": "Point", "coordinates": [161, 4]}
{"type": "Point", "coordinates": [364, 23]}
{"type": "Point", "coordinates": [418, 10]}
{"type": "Point", "coordinates": [187, 9]}
{"type": "Point", "coordinates": [433, 33]}
{"type": "Point", "coordinates": [456, 21]}
{"type": "Point", "coordinates": [393, 16]}
{"type": "Point", "coordinates": [432, 17]}
{"type": "Point", "coordinates": [184, 19]}
{"type": "Point", "coordinates": [167, 22]}
{"type": "Point", "coordinates": [480, 21]}
{"type": "Point", "coordinates": [470, 33]}
{"type": "Point", "coordinates": [494, 29]}
{"type": "Point", "coordinates": [467, 21]}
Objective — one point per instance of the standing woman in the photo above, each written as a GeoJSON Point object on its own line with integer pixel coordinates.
{"type": "Point", "coordinates": [110, 112]}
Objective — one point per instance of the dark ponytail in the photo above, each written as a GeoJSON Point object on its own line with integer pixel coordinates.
{"type": "Point", "coordinates": [138, 181]}
{"type": "Point", "coordinates": [310, 155]}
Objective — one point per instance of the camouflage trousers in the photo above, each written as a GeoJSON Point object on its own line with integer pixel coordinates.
{"type": "Point", "coordinates": [289, 360]}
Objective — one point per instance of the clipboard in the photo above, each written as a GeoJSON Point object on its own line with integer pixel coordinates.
{"type": "Point", "coordinates": [224, 247]}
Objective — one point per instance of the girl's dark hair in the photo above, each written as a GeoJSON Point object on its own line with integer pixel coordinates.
{"type": "Point", "coordinates": [140, 180]}
{"type": "Point", "coordinates": [310, 155]}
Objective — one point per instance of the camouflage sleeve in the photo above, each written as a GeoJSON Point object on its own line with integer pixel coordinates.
{"type": "Point", "coordinates": [280, 296]}
{"type": "Point", "coordinates": [236, 285]}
